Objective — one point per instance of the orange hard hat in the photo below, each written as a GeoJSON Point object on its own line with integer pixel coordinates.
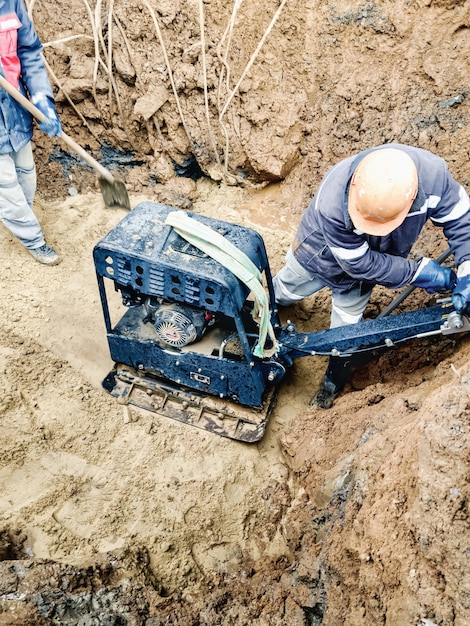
{"type": "Point", "coordinates": [382, 190]}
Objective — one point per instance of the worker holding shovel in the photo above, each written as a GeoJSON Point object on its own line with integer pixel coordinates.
{"type": "Point", "coordinates": [22, 66]}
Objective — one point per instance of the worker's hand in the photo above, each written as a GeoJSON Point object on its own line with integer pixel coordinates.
{"type": "Point", "coordinates": [51, 125]}
{"type": "Point", "coordinates": [434, 277]}
{"type": "Point", "coordinates": [461, 293]}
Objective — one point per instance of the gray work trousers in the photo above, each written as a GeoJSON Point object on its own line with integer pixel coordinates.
{"type": "Point", "coordinates": [294, 283]}
{"type": "Point", "coordinates": [17, 190]}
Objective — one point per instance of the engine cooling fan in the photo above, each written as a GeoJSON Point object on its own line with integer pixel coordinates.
{"type": "Point", "coordinates": [178, 326]}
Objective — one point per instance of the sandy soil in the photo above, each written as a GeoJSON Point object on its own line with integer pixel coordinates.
{"type": "Point", "coordinates": [110, 515]}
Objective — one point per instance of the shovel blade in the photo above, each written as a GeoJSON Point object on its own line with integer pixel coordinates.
{"type": "Point", "coordinates": [114, 194]}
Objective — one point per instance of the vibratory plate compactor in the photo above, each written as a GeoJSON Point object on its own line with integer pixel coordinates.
{"type": "Point", "coordinates": [200, 340]}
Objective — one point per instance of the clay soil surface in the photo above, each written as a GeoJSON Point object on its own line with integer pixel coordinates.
{"type": "Point", "coordinates": [110, 515]}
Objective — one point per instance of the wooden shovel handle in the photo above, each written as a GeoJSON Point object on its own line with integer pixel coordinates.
{"type": "Point", "coordinates": [87, 157]}
{"type": "Point", "coordinates": [35, 112]}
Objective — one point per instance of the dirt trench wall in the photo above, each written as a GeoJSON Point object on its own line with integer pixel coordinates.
{"type": "Point", "coordinates": [386, 495]}
{"type": "Point", "coordinates": [279, 90]}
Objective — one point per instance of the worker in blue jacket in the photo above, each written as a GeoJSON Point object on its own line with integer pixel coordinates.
{"type": "Point", "coordinates": [358, 230]}
{"type": "Point", "coordinates": [21, 65]}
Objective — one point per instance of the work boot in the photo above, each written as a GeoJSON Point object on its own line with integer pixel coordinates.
{"type": "Point", "coordinates": [45, 254]}
{"type": "Point", "coordinates": [326, 394]}
{"type": "Point", "coordinates": [337, 375]}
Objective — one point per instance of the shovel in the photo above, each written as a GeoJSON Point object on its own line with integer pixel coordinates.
{"type": "Point", "coordinates": [114, 191]}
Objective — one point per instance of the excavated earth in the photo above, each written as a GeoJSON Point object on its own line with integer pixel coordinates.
{"type": "Point", "coordinates": [113, 516]}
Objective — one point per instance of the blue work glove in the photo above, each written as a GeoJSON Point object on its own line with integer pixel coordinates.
{"type": "Point", "coordinates": [461, 293]}
{"type": "Point", "coordinates": [51, 125]}
{"type": "Point", "coordinates": [434, 277]}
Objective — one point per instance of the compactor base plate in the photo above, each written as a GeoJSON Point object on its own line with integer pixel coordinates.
{"type": "Point", "coordinates": [219, 416]}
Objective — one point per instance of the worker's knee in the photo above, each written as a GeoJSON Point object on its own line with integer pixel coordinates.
{"type": "Point", "coordinates": [294, 283]}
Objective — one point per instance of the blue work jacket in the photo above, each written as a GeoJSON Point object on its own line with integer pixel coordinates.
{"type": "Point", "coordinates": [328, 245]}
{"type": "Point", "coordinates": [21, 63]}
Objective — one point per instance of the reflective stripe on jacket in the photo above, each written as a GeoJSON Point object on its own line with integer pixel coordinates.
{"type": "Point", "coordinates": [16, 125]}
{"type": "Point", "coordinates": [328, 245]}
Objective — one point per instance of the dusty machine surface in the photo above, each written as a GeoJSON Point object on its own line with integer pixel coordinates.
{"type": "Point", "coordinates": [190, 345]}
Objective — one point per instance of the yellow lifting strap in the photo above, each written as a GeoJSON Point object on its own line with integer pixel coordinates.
{"type": "Point", "coordinates": [228, 255]}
